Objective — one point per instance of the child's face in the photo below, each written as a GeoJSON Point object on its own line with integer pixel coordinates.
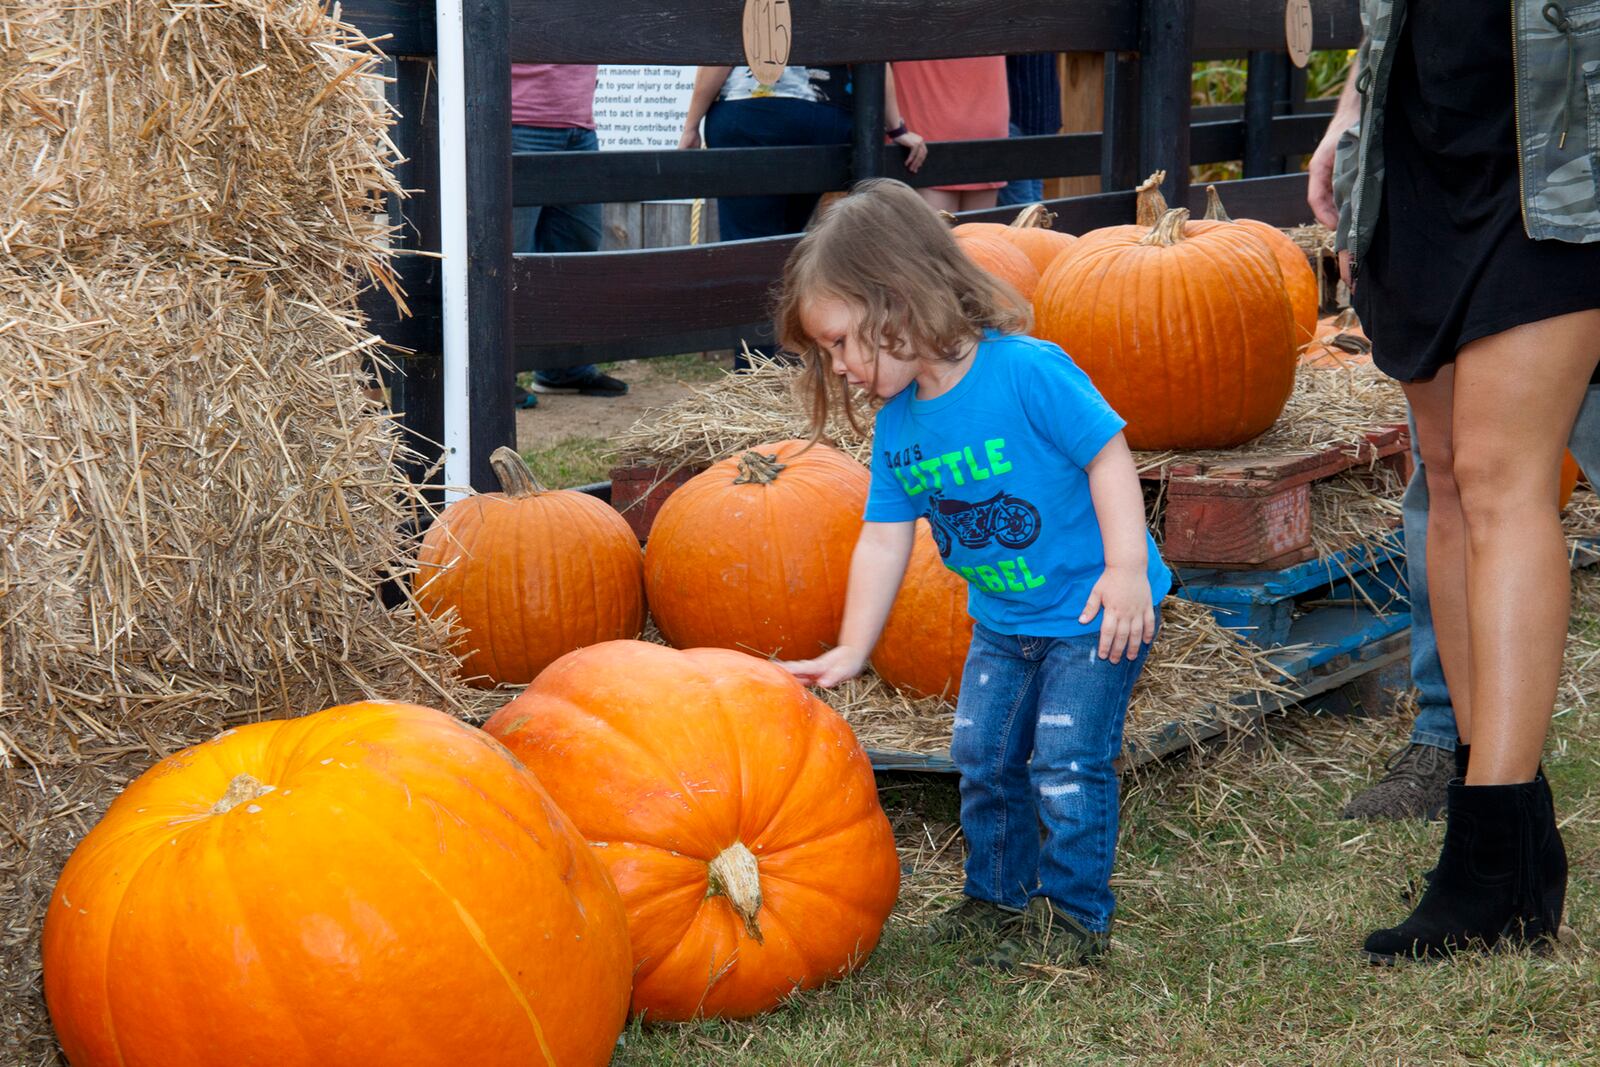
{"type": "Point", "coordinates": [832, 324]}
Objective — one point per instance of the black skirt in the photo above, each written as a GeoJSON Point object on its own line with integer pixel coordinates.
{"type": "Point", "coordinates": [1450, 260]}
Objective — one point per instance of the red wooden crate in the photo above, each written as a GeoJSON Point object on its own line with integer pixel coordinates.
{"type": "Point", "coordinates": [1255, 512]}
{"type": "Point", "coordinates": [639, 489]}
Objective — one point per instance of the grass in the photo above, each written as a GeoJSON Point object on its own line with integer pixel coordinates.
{"type": "Point", "coordinates": [1243, 898]}
{"type": "Point", "coordinates": [571, 461]}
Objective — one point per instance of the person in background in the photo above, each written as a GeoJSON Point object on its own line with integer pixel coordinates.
{"type": "Point", "coordinates": [1034, 88]}
{"type": "Point", "coordinates": [552, 110]}
{"type": "Point", "coordinates": [806, 106]}
{"type": "Point", "coordinates": [956, 100]}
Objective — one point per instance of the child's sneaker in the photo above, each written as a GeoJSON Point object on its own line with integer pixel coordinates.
{"type": "Point", "coordinates": [1045, 934]}
{"type": "Point", "coordinates": [970, 918]}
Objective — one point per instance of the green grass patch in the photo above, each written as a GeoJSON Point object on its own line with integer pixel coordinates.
{"type": "Point", "coordinates": [571, 461]}
{"type": "Point", "coordinates": [688, 367]}
{"type": "Point", "coordinates": [1243, 902]}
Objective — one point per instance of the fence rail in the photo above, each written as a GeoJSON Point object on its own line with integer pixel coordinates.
{"type": "Point", "coordinates": [546, 311]}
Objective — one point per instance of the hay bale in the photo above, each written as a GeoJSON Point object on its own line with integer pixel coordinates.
{"type": "Point", "coordinates": [197, 502]}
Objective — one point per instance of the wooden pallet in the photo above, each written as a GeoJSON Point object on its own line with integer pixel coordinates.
{"type": "Point", "coordinates": [1253, 512]}
{"type": "Point", "coordinates": [639, 489]}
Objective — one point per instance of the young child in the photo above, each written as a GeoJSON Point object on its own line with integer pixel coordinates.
{"type": "Point", "coordinates": [1005, 446]}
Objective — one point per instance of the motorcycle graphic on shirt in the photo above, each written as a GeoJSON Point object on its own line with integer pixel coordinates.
{"type": "Point", "coordinates": [1004, 518]}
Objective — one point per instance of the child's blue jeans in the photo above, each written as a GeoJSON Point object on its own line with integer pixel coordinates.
{"type": "Point", "coordinates": [1055, 700]}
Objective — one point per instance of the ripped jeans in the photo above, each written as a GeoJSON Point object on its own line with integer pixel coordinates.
{"type": "Point", "coordinates": [1055, 700]}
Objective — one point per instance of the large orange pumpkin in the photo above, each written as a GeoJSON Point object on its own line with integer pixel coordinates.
{"type": "Point", "coordinates": [1029, 233]}
{"type": "Point", "coordinates": [531, 574]}
{"type": "Point", "coordinates": [1298, 277]}
{"type": "Point", "coordinates": [736, 812]}
{"type": "Point", "coordinates": [998, 257]}
{"type": "Point", "coordinates": [754, 552]}
{"type": "Point", "coordinates": [1188, 334]}
{"type": "Point", "coordinates": [373, 884]}
{"type": "Point", "coordinates": [1570, 473]}
{"type": "Point", "coordinates": [924, 643]}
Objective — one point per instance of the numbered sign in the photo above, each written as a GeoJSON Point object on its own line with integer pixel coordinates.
{"type": "Point", "coordinates": [1296, 28]}
{"type": "Point", "coordinates": [766, 38]}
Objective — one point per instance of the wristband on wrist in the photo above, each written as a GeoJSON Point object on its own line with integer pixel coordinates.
{"type": "Point", "coordinates": [899, 131]}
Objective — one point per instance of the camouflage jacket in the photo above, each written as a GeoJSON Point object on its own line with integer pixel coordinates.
{"type": "Point", "coordinates": [1556, 56]}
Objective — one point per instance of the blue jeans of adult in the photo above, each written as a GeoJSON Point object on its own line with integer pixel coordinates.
{"type": "Point", "coordinates": [1021, 190]}
{"type": "Point", "coordinates": [1038, 724]}
{"type": "Point", "coordinates": [1436, 718]}
{"type": "Point", "coordinates": [770, 122]}
{"type": "Point", "coordinates": [556, 227]}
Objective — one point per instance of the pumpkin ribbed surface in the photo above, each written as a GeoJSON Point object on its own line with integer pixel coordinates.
{"type": "Point", "coordinates": [754, 552]}
{"type": "Point", "coordinates": [736, 813]}
{"type": "Point", "coordinates": [531, 574]}
{"type": "Point", "coordinates": [373, 884]}
{"type": "Point", "coordinates": [1298, 278]}
{"type": "Point", "coordinates": [1000, 258]}
{"type": "Point", "coordinates": [924, 643]}
{"type": "Point", "coordinates": [1187, 332]}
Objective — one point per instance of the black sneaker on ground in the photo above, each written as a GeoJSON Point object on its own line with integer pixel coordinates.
{"type": "Point", "coordinates": [595, 384]}
{"type": "Point", "coordinates": [1045, 935]}
{"type": "Point", "coordinates": [1414, 786]}
{"type": "Point", "coordinates": [969, 918]}
{"type": "Point", "coordinates": [526, 399]}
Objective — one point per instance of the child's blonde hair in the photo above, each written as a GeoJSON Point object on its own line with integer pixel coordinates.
{"type": "Point", "coordinates": [884, 252]}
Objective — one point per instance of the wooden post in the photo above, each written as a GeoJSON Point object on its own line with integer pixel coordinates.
{"type": "Point", "coordinates": [866, 157]}
{"type": "Point", "coordinates": [1266, 85]}
{"type": "Point", "coordinates": [1083, 110]}
{"type": "Point", "coordinates": [1119, 149]}
{"type": "Point", "coordinates": [414, 386]}
{"type": "Point", "coordinates": [486, 36]}
{"type": "Point", "coordinates": [1166, 50]}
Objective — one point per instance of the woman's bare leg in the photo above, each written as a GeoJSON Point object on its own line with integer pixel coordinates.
{"type": "Point", "coordinates": [979, 199]}
{"type": "Point", "coordinates": [1516, 396]}
{"type": "Point", "coordinates": [1432, 407]}
{"type": "Point", "coordinates": [942, 199]}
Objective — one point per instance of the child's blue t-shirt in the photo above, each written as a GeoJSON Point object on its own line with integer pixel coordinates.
{"type": "Point", "coordinates": [996, 465]}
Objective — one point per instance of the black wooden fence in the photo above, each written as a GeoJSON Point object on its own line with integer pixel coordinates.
{"type": "Point", "coordinates": [547, 311]}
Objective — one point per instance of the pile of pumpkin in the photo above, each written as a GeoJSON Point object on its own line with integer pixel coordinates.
{"type": "Point", "coordinates": [675, 833]}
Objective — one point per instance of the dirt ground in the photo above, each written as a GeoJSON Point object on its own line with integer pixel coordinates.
{"type": "Point", "coordinates": [651, 383]}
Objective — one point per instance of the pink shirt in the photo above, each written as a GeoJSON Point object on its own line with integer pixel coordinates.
{"type": "Point", "coordinates": [552, 94]}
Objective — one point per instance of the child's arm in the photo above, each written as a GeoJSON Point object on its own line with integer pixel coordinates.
{"type": "Point", "coordinates": [1124, 589]}
{"type": "Point", "coordinates": [876, 567]}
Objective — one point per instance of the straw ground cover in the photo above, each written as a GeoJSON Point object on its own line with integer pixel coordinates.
{"type": "Point", "coordinates": [1242, 900]}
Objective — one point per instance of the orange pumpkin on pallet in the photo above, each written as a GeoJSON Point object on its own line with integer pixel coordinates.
{"type": "Point", "coordinates": [373, 883]}
{"type": "Point", "coordinates": [1298, 277]}
{"type": "Point", "coordinates": [1000, 258]}
{"type": "Point", "coordinates": [1338, 341]}
{"type": "Point", "coordinates": [1570, 473]}
{"type": "Point", "coordinates": [736, 812]}
{"type": "Point", "coordinates": [531, 574]}
{"type": "Point", "coordinates": [1187, 332]}
{"type": "Point", "coordinates": [754, 552]}
{"type": "Point", "coordinates": [1029, 233]}
{"type": "Point", "coordinates": [924, 644]}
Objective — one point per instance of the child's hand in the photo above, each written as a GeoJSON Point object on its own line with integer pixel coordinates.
{"type": "Point", "coordinates": [1130, 618]}
{"type": "Point", "coordinates": [829, 669]}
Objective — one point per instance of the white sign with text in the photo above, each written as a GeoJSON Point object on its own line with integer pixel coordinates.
{"type": "Point", "coordinates": [641, 107]}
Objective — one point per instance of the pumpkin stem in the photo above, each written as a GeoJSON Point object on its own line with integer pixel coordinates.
{"type": "Point", "coordinates": [516, 480]}
{"type": "Point", "coordinates": [1169, 231]}
{"type": "Point", "coordinates": [1034, 217]}
{"type": "Point", "coordinates": [1215, 212]}
{"type": "Point", "coordinates": [754, 468]}
{"type": "Point", "coordinates": [1151, 204]}
{"type": "Point", "coordinates": [947, 218]}
{"type": "Point", "coordinates": [735, 875]}
{"type": "Point", "coordinates": [243, 788]}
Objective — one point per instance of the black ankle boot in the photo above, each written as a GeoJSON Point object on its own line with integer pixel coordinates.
{"type": "Point", "coordinates": [1501, 876]}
